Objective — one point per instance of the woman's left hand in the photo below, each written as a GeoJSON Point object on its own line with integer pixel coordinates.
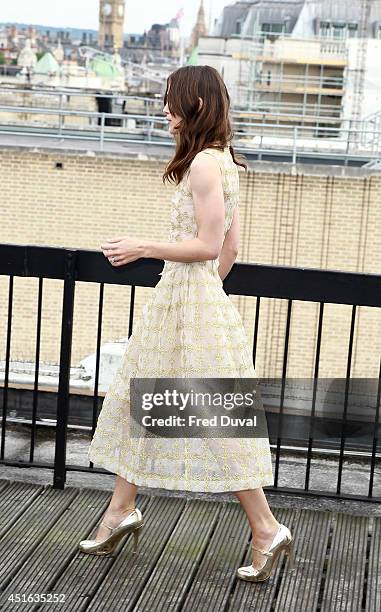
{"type": "Point", "coordinates": [124, 249]}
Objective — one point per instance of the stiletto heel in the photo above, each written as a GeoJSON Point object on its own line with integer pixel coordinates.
{"type": "Point", "coordinates": [136, 537]}
{"type": "Point", "coordinates": [291, 555]}
{"type": "Point", "coordinates": [132, 523]}
{"type": "Point", "coordinates": [283, 540]}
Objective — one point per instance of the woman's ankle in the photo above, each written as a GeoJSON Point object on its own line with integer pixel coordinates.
{"type": "Point", "coordinates": [266, 529]}
{"type": "Point", "coordinates": [121, 509]}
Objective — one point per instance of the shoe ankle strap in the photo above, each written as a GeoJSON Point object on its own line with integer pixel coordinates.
{"type": "Point", "coordinates": [132, 508]}
{"type": "Point", "coordinates": [264, 552]}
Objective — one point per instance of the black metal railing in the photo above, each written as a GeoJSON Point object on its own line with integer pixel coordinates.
{"type": "Point", "coordinates": [262, 281]}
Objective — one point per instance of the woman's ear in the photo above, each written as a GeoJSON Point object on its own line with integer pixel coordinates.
{"type": "Point", "coordinates": [201, 102]}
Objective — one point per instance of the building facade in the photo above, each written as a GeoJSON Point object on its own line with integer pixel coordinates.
{"type": "Point", "coordinates": [313, 62]}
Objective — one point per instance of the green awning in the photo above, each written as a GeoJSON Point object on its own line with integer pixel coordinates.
{"type": "Point", "coordinates": [103, 68]}
{"type": "Point", "coordinates": [47, 64]}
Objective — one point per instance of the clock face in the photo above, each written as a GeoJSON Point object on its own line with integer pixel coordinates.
{"type": "Point", "coordinates": [107, 9]}
{"type": "Point", "coordinates": [120, 10]}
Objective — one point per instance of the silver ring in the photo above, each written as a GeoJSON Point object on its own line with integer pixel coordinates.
{"type": "Point", "coordinates": [113, 259]}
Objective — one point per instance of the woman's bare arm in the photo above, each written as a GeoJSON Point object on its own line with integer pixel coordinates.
{"type": "Point", "coordinates": [205, 183]}
{"type": "Point", "coordinates": [208, 197]}
{"type": "Point", "coordinates": [230, 247]}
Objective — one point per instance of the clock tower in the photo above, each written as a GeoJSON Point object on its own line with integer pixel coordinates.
{"type": "Point", "coordinates": [111, 21]}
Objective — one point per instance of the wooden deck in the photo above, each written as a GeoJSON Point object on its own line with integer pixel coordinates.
{"type": "Point", "coordinates": [187, 556]}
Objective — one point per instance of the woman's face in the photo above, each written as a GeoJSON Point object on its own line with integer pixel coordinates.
{"type": "Point", "coordinates": [173, 120]}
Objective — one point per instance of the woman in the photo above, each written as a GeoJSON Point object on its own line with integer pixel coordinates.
{"type": "Point", "coordinates": [189, 328]}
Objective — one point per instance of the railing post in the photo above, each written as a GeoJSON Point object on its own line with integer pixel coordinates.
{"type": "Point", "coordinates": [102, 135]}
{"type": "Point", "coordinates": [64, 372]}
{"type": "Point", "coordinates": [349, 133]}
{"type": "Point", "coordinates": [294, 145]}
{"type": "Point", "coordinates": [60, 117]}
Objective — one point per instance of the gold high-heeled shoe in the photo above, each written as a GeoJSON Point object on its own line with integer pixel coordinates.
{"type": "Point", "coordinates": [133, 522]}
{"type": "Point", "coordinates": [283, 540]}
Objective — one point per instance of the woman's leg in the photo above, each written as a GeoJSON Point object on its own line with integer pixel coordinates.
{"type": "Point", "coordinates": [262, 521]}
{"type": "Point", "coordinates": [121, 504]}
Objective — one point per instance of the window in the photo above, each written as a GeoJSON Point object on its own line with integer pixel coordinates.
{"type": "Point", "coordinates": [352, 30]}
{"type": "Point", "coordinates": [338, 30]}
{"type": "Point", "coordinates": [324, 29]}
{"type": "Point", "coordinates": [238, 26]}
{"type": "Point", "coordinates": [273, 27]}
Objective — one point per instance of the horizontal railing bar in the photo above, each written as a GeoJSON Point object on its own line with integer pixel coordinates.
{"type": "Point", "coordinates": [161, 119]}
{"type": "Point", "coordinates": [310, 284]}
{"type": "Point", "coordinates": [276, 108]}
{"type": "Point", "coordinates": [287, 282]}
{"type": "Point", "coordinates": [88, 93]}
{"type": "Point", "coordinates": [302, 449]}
{"type": "Point", "coordinates": [57, 93]}
{"type": "Point", "coordinates": [315, 155]}
{"type": "Point", "coordinates": [82, 113]}
{"type": "Point", "coordinates": [158, 101]}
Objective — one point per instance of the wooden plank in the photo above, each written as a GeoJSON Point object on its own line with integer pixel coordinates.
{"type": "Point", "coordinates": [172, 574]}
{"type": "Point", "coordinates": [15, 499]}
{"type": "Point", "coordinates": [299, 589]}
{"type": "Point", "coordinates": [20, 540]}
{"type": "Point", "coordinates": [4, 483]}
{"type": "Point", "coordinates": [135, 576]}
{"type": "Point", "coordinates": [259, 596]}
{"type": "Point", "coordinates": [55, 550]}
{"type": "Point", "coordinates": [343, 588]}
{"type": "Point", "coordinates": [215, 577]}
{"type": "Point", "coordinates": [373, 591]}
{"type": "Point", "coordinates": [77, 574]}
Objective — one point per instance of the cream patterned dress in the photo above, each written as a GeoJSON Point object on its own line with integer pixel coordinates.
{"type": "Point", "coordinates": [189, 328]}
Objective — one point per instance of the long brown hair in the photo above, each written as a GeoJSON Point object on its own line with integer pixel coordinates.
{"type": "Point", "coordinates": [199, 128]}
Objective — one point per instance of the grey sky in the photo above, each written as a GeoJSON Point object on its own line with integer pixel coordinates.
{"type": "Point", "coordinates": [140, 15]}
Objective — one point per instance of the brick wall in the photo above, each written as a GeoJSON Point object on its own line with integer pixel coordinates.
{"type": "Point", "coordinates": [315, 218]}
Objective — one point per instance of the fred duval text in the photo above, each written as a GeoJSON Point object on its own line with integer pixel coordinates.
{"type": "Point", "coordinates": [176, 421]}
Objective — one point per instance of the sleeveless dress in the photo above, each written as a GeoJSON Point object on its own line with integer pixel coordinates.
{"type": "Point", "coordinates": [189, 328]}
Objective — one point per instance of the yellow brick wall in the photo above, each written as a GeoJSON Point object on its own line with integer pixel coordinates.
{"type": "Point", "coordinates": [309, 219]}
